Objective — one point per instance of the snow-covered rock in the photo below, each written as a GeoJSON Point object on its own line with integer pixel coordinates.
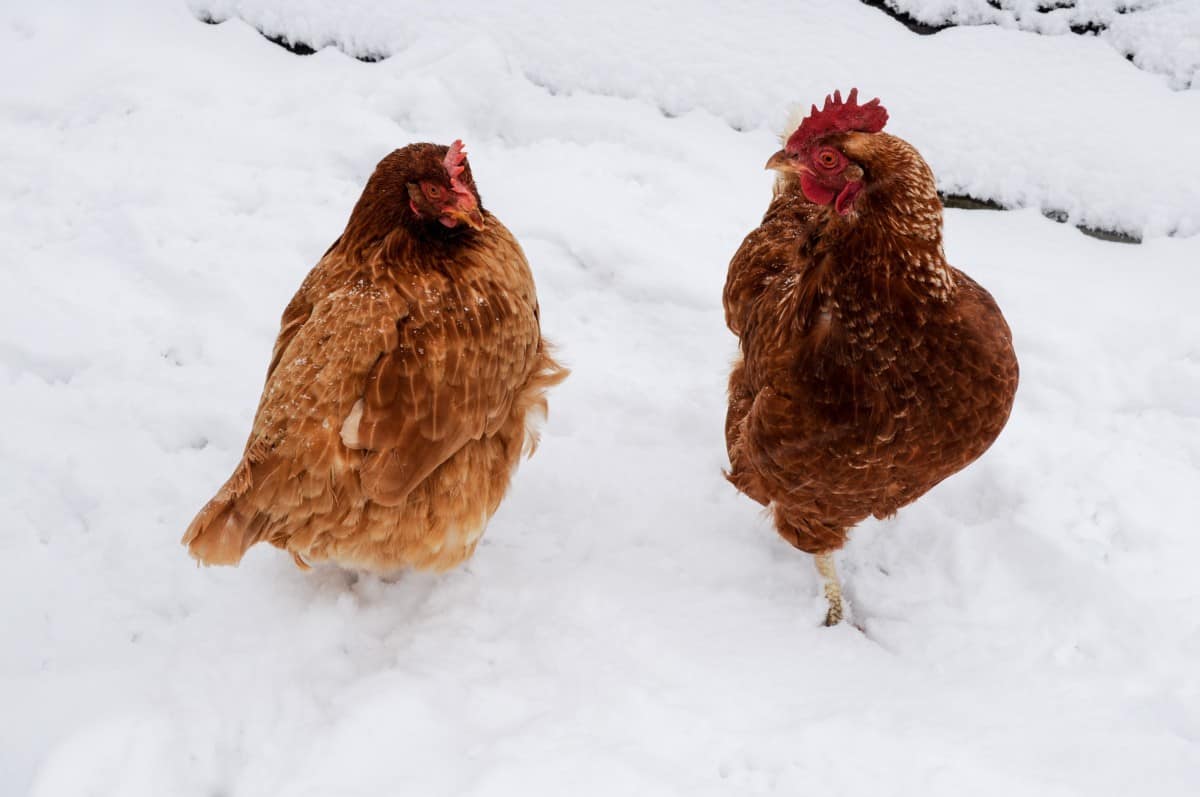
{"type": "Point", "coordinates": [1157, 35]}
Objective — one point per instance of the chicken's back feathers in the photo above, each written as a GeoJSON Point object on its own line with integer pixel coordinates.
{"type": "Point", "coordinates": [395, 407]}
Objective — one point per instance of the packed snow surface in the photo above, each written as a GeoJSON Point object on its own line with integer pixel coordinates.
{"type": "Point", "coordinates": [630, 625]}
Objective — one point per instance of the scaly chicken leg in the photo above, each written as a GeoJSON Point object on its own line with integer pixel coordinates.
{"type": "Point", "coordinates": [833, 587]}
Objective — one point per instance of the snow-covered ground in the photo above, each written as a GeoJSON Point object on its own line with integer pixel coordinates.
{"type": "Point", "coordinates": [1159, 35]}
{"type": "Point", "coordinates": [630, 625]}
{"type": "Point", "coordinates": [1058, 123]}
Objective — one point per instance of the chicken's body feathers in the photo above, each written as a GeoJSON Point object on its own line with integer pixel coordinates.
{"type": "Point", "coordinates": [396, 403]}
{"type": "Point", "coordinates": [870, 370]}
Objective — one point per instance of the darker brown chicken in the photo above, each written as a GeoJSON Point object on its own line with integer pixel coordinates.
{"type": "Point", "coordinates": [870, 368]}
{"type": "Point", "coordinates": [407, 379]}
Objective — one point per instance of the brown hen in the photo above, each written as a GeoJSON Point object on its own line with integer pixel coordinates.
{"type": "Point", "coordinates": [870, 368]}
{"type": "Point", "coordinates": [406, 381]}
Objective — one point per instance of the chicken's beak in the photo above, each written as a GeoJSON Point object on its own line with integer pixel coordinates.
{"type": "Point", "coordinates": [782, 162]}
{"type": "Point", "coordinates": [469, 215]}
{"type": "Point", "coordinates": [472, 218]}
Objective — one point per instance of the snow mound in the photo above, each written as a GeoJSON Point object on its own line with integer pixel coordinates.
{"type": "Point", "coordinates": [988, 129]}
{"type": "Point", "coordinates": [1157, 35]}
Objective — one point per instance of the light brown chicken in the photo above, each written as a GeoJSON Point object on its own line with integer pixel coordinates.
{"type": "Point", "coordinates": [407, 379]}
{"type": "Point", "coordinates": [871, 369]}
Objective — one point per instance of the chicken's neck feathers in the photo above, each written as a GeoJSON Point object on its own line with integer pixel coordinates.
{"type": "Point", "coordinates": [887, 254]}
{"type": "Point", "coordinates": [403, 247]}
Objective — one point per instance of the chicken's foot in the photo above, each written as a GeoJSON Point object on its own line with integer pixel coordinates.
{"type": "Point", "coordinates": [833, 587]}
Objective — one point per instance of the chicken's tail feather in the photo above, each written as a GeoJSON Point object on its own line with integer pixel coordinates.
{"type": "Point", "coordinates": [532, 403]}
{"type": "Point", "coordinates": [220, 533]}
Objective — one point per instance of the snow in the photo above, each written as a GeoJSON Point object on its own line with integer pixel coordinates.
{"type": "Point", "coordinates": [1028, 141]}
{"type": "Point", "coordinates": [629, 625]}
{"type": "Point", "coordinates": [1157, 35]}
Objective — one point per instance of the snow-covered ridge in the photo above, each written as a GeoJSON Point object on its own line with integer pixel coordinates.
{"type": "Point", "coordinates": [989, 130]}
{"type": "Point", "coordinates": [1157, 35]}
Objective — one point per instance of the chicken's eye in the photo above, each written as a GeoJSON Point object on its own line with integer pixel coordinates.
{"type": "Point", "coordinates": [827, 158]}
{"type": "Point", "coordinates": [434, 192]}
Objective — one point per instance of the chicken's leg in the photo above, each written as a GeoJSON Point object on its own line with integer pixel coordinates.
{"type": "Point", "coordinates": [833, 588]}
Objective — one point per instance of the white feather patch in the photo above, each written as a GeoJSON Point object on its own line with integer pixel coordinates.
{"type": "Point", "coordinates": [534, 419]}
{"type": "Point", "coordinates": [350, 426]}
{"type": "Point", "coordinates": [463, 535]}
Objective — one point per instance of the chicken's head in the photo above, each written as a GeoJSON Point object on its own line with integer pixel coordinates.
{"type": "Point", "coordinates": [818, 154]}
{"type": "Point", "coordinates": [444, 190]}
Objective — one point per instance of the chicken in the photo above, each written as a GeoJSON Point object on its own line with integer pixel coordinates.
{"type": "Point", "coordinates": [870, 369]}
{"type": "Point", "coordinates": [408, 378]}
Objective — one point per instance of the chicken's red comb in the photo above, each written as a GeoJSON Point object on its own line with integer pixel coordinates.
{"type": "Point", "coordinates": [455, 156]}
{"type": "Point", "coordinates": [838, 117]}
{"type": "Point", "coordinates": [455, 163]}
